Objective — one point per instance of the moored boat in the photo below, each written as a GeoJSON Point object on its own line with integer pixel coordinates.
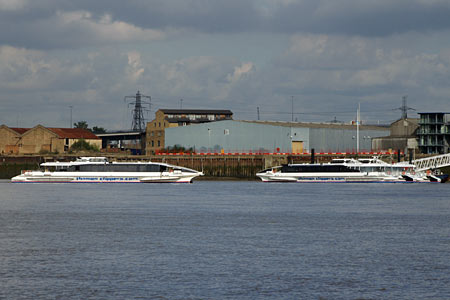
{"type": "Point", "coordinates": [99, 169]}
{"type": "Point", "coordinates": [348, 170]}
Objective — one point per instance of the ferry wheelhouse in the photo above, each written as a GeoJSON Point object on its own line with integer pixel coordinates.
{"type": "Point", "coordinates": [99, 169]}
{"type": "Point", "coordinates": [347, 170]}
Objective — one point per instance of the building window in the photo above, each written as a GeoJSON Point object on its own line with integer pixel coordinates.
{"type": "Point", "coordinates": [159, 143]}
{"type": "Point", "coordinates": [153, 143]}
{"type": "Point", "coordinates": [159, 124]}
{"type": "Point", "coordinates": [154, 124]}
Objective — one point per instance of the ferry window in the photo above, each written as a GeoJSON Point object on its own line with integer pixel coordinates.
{"type": "Point", "coordinates": [152, 168]}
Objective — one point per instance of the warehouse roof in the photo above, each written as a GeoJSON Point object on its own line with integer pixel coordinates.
{"type": "Point", "coordinates": [197, 111]}
{"type": "Point", "coordinates": [71, 133]}
{"type": "Point", "coordinates": [19, 130]}
{"type": "Point", "coordinates": [321, 125]}
{"type": "Point", "coordinates": [74, 133]}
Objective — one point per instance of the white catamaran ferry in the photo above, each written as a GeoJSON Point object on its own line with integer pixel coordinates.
{"type": "Point", "coordinates": [348, 170]}
{"type": "Point", "coordinates": [99, 169]}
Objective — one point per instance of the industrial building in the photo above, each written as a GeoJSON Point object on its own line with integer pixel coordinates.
{"type": "Point", "coordinates": [41, 139]}
{"type": "Point", "coordinates": [403, 136]}
{"type": "Point", "coordinates": [262, 137]}
{"type": "Point", "coordinates": [168, 118]}
{"type": "Point", "coordinates": [434, 133]}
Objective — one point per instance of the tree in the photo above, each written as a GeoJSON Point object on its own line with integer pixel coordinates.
{"type": "Point", "coordinates": [81, 124]}
{"type": "Point", "coordinates": [96, 130]}
{"type": "Point", "coordinates": [83, 145]}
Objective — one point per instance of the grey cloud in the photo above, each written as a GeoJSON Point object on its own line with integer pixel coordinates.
{"type": "Point", "coordinates": [365, 18]}
{"type": "Point", "coordinates": [36, 25]}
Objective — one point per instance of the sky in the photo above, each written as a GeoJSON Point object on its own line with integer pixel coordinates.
{"type": "Point", "coordinates": [307, 60]}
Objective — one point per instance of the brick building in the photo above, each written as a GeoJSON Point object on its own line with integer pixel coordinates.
{"type": "Point", "coordinates": [42, 139]}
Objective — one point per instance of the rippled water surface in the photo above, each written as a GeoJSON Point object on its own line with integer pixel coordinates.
{"type": "Point", "coordinates": [224, 240]}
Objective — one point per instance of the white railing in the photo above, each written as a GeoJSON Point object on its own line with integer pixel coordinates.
{"type": "Point", "coordinates": [433, 162]}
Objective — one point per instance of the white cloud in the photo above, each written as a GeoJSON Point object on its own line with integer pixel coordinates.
{"type": "Point", "coordinates": [21, 68]}
{"type": "Point", "coordinates": [12, 5]}
{"type": "Point", "coordinates": [105, 29]}
{"type": "Point", "coordinates": [329, 52]}
{"type": "Point", "coordinates": [322, 72]}
{"type": "Point", "coordinates": [240, 71]}
{"type": "Point", "coordinates": [134, 68]}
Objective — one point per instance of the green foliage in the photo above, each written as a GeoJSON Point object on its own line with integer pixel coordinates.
{"type": "Point", "coordinates": [82, 145]}
{"type": "Point", "coordinates": [177, 149]}
{"type": "Point", "coordinates": [81, 124]}
{"type": "Point", "coordinates": [84, 125]}
{"type": "Point", "coordinates": [96, 130]}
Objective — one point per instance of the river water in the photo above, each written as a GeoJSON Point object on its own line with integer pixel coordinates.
{"type": "Point", "coordinates": [224, 240]}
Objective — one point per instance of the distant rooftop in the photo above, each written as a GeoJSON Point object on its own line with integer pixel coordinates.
{"type": "Point", "coordinates": [197, 111]}
{"type": "Point", "coordinates": [73, 133]}
{"type": "Point", "coordinates": [19, 130]}
{"type": "Point", "coordinates": [70, 133]}
{"type": "Point", "coordinates": [320, 125]}
{"type": "Point", "coordinates": [436, 112]}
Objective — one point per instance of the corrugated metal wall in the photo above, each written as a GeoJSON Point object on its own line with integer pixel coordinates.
{"type": "Point", "coordinates": [342, 140]}
{"type": "Point", "coordinates": [234, 136]}
{"type": "Point", "coordinates": [239, 136]}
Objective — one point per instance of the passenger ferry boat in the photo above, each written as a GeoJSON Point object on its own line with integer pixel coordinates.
{"type": "Point", "coordinates": [99, 169]}
{"type": "Point", "coordinates": [348, 170]}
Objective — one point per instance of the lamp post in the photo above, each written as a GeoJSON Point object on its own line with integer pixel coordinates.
{"type": "Point", "coordinates": [209, 140]}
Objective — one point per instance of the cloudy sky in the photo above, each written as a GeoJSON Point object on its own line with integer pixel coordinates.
{"type": "Point", "coordinates": [324, 56]}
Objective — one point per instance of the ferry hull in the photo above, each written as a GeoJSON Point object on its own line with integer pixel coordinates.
{"type": "Point", "coordinates": [36, 177]}
{"type": "Point", "coordinates": [329, 179]}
